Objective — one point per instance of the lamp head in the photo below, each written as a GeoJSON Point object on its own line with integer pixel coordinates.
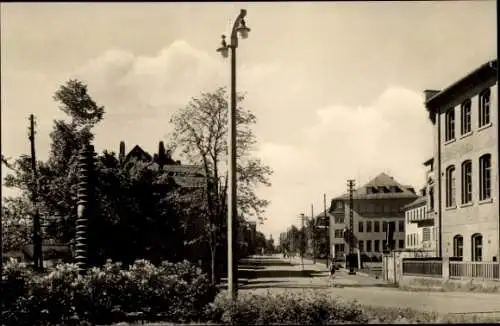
{"type": "Point", "coordinates": [243, 29]}
{"type": "Point", "coordinates": [224, 49]}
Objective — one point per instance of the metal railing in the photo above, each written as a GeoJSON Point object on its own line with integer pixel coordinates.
{"type": "Point", "coordinates": [423, 268]}
{"type": "Point", "coordinates": [481, 270]}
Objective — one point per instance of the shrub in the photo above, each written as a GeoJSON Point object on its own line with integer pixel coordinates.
{"type": "Point", "coordinates": [308, 307]}
{"type": "Point", "coordinates": [173, 292]}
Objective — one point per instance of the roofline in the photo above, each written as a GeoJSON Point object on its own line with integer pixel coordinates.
{"type": "Point", "coordinates": [419, 202]}
{"type": "Point", "coordinates": [489, 67]}
{"type": "Point", "coordinates": [429, 161]}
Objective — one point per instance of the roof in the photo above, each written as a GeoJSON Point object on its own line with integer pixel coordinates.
{"type": "Point", "coordinates": [477, 76]}
{"type": "Point", "coordinates": [382, 186]}
{"type": "Point", "coordinates": [420, 201]}
{"type": "Point", "coordinates": [139, 153]}
{"type": "Point", "coordinates": [429, 161]}
{"type": "Point", "coordinates": [189, 182]}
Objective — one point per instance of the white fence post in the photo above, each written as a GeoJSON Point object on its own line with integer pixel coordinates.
{"type": "Point", "coordinates": [446, 268]}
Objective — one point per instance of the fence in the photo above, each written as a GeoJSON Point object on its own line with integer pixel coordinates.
{"type": "Point", "coordinates": [452, 269]}
{"type": "Point", "coordinates": [423, 267]}
{"type": "Point", "coordinates": [475, 270]}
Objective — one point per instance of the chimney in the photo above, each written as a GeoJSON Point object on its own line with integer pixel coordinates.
{"type": "Point", "coordinates": [428, 93]}
{"type": "Point", "coordinates": [121, 156]}
{"type": "Point", "coordinates": [161, 158]}
{"type": "Point", "coordinates": [423, 192]}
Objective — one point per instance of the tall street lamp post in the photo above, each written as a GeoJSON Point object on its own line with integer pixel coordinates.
{"type": "Point", "coordinates": [232, 217]}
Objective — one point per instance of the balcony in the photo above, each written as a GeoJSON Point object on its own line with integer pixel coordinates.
{"type": "Point", "coordinates": [423, 218]}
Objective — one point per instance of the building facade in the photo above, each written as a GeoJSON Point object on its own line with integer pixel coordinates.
{"type": "Point", "coordinates": [420, 218]}
{"type": "Point", "coordinates": [465, 119]}
{"type": "Point", "coordinates": [377, 204]}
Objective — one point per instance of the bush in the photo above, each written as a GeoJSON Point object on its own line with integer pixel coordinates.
{"type": "Point", "coordinates": [172, 292]}
{"type": "Point", "coordinates": [289, 308]}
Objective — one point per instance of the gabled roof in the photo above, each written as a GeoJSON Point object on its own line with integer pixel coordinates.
{"type": "Point", "coordinates": [382, 186]}
{"type": "Point", "coordinates": [139, 153]}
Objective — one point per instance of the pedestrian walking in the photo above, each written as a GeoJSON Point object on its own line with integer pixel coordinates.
{"type": "Point", "coordinates": [333, 269]}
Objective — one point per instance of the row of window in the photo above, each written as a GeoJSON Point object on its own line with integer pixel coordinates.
{"type": "Point", "coordinates": [378, 245]}
{"type": "Point", "coordinates": [466, 114]}
{"type": "Point", "coordinates": [372, 226]}
{"type": "Point", "coordinates": [412, 239]}
{"type": "Point", "coordinates": [466, 173]}
{"type": "Point", "coordinates": [370, 207]}
{"type": "Point", "coordinates": [376, 226]}
{"type": "Point", "coordinates": [476, 246]}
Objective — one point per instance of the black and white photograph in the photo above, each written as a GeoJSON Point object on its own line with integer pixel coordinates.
{"type": "Point", "coordinates": [249, 163]}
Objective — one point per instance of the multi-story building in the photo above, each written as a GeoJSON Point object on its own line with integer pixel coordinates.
{"type": "Point", "coordinates": [466, 133]}
{"type": "Point", "coordinates": [376, 204]}
{"type": "Point", "coordinates": [421, 233]}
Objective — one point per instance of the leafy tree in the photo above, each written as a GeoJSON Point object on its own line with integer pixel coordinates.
{"type": "Point", "coordinates": [58, 176]}
{"type": "Point", "coordinates": [200, 131]}
{"type": "Point", "coordinates": [16, 223]}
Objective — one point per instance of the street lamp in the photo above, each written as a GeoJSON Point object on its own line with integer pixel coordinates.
{"type": "Point", "coordinates": [232, 217]}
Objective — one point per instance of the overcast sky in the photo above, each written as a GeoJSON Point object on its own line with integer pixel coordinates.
{"type": "Point", "coordinates": [337, 87]}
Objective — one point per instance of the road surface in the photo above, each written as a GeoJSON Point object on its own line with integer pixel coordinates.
{"type": "Point", "coordinates": [277, 274]}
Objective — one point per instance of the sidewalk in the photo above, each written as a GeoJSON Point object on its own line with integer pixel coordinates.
{"type": "Point", "coordinates": [309, 262]}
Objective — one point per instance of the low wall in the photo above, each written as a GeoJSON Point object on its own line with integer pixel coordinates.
{"type": "Point", "coordinates": [424, 283]}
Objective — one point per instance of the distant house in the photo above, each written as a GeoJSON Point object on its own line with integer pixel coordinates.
{"type": "Point", "coordinates": [377, 204]}
{"type": "Point", "coordinates": [420, 225]}
{"type": "Point", "coordinates": [184, 176]}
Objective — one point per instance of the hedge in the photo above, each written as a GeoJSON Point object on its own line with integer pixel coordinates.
{"type": "Point", "coordinates": [171, 292]}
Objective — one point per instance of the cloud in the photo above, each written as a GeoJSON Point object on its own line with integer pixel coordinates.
{"type": "Point", "coordinates": [312, 146]}
{"type": "Point", "coordinates": [391, 135]}
{"type": "Point", "coordinates": [312, 151]}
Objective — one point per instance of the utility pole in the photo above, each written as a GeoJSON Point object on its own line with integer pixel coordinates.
{"type": "Point", "coordinates": [327, 223]}
{"type": "Point", "coordinates": [37, 234]}
{"type": "Point", "coordinates": [350, 184]}
{"type": "Point", "coordinates": [302, 240]}
{"type": "Point", "coordinates": [313, 229]}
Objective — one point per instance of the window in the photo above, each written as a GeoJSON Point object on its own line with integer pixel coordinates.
{"type": "Point", "coordinates": [431, 198]}
{"type": "Point", "coordinates": [408, 240]}
{"type": "Point", "coordinates": [376, 244]}
{"type": "Point", "coordinates": [426, 234]}
{"type": "Point", "coordinates": [339, 219]}
{"type": "Point", "coordinates": [485, 177]}
{"type": "Point", "coordinates": [465, 126]}
{"type": "Point", "coordinates": [477, 247]}
{"type": "Point", "coordinates": [484, 108]}
{"type": "Point", "coordinates": [449, 131]}
{"type": "Point", "coordinates": [466, 182]}
{"type": "Point", "coordinates": [368, 245]}
{"type": "Point", "coordinates": [450, 186]}
{"type": "Point", "coordinates": [401, 244]}
{"type": "Point", "coordinates": [360, 246]}
{"type": "Point", "coordinates": [376, 226]}
{"type": "Point", "coordinates": [360, 226]}
{"type": "Point", "coordinates": [341, 247]}
{"type": "Point", "coordinates": [339, 233]}
{"type": "Point", "coordinates": [368, 226]}
{"type": "Point", "coordinates": [401, 226]}
{"type": "Point", "coordinates": [384, 226]}
{"type": "Point", "coordinates": [458, 246]}
{"type": "Point", "coordinates": [339, 205]}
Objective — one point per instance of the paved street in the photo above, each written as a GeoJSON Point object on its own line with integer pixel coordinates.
{"type": "Point", "coordinates": [278, 274]}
